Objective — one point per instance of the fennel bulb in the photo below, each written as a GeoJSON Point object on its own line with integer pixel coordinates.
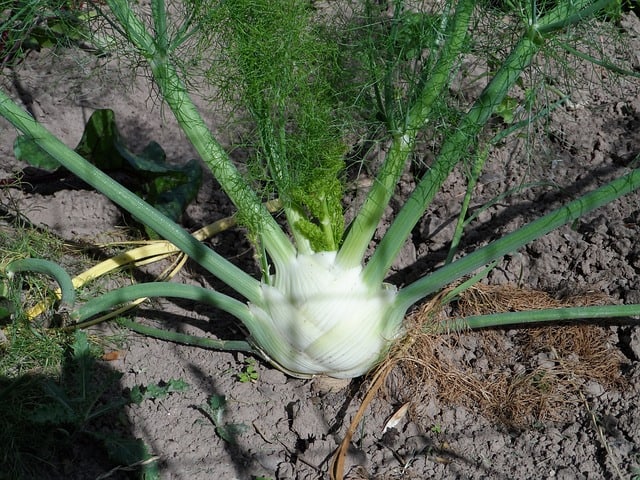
{"type": "Point", "coordinates": [317, 317]}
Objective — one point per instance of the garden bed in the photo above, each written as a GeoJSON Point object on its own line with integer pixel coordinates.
{"type": "Point", "coordinates": [546, 409]}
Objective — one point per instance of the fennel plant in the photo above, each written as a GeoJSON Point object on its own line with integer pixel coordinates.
{"type": "Point", "coordinates": [322, 305]}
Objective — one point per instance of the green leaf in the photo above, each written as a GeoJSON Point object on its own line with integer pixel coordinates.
{"type": "Point", "coordinates": [83, 361]}
{"type": "Point", "coordinates": [6, 309]}
{"type": "Point", "coordinates": [281, 65]}
{"type": "Point", "coordinates": [7, 306]}
{"type": "Point", "coordinates": [215, 411]}
{"type": "Point", "coordinates": [128, 452]}
{"type": "Point", "coordinates": [169, 188]}
{"type": "Point", "coordinates": [54, 413]}
{"type": "Point", "coordinates": [164, 389]}
{"type": "Point", "coordinates": [136, 395]}
{"type": "Point", "coordinates": [26, 150]}
{"type": "Point", "coordinates": [506, 110]}
{"type": "Point", "coordinates": [217, 402]}
{"type": "Point", "coordinates": [230, 431]}
{"type": "Point", "coordinates": [157, 390]}
{"type": "Point", "coordinates": [415, 32]}
{"type": "Point", "coordinates": [59, 411]}
{"type": "Point", "coordinates": [101, 142]}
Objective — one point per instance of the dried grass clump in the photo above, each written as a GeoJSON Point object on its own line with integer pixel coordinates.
{"type": "Point", "coordinates": [518, 377]}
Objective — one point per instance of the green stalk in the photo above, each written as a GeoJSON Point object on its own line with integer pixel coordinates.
{"type": "Point", "coordinates": [600, 62]}
{"type": "Point", "coordinates": [458, 143]}
{"type": "Point", "coordinates": [162, 289]}
{"type": "Point", "coordinates": [364, 226]}
{"type": "Point", "coordinates": [568, 13]}
{"type": "Point", "coordinates": [515, 240]}
{"type": "Point", "coordinates": [191, 340]}
{"type": "Point", "coordinates": [368, 218]}
{"type": "Point", "coordinates": [68, 292]}
{"type": "Point", "coordinates": [472, 179]}
{"type": "Point", "coordinates": [540, 316]}
{"type": "Point", "coordinates": [175, 94]}
{"type": "Point", "coordinates": [159, 15]}
{"type": "Point", "coordinates": [453, 151]}
{"type": "Point", "coordinates": [476, 170]}
{"type": "Point", "coordinates": [242, 282]}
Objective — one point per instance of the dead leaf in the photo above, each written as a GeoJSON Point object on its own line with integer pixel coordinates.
{"type": "Point", "coordinates": [113, 355]}
{"type": "Point", "coordinates": [396, 418]}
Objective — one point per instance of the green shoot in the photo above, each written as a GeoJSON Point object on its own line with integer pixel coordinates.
{"type": "Point", "coordinates": [215, 411]}
{"type": "Point", "coordinates": [157, 390]}
{"type": "Point", "coordinates": [249, 373]}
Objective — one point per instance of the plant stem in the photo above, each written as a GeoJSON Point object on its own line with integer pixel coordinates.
{"type": "Point", "coordinates": [455, 148]}
{"type": "Point", "coordinates": [162, 289]}
{"type": "Point", "coordinates": [191, 340]}
{"type": "Point", "coordinates": [174, 92]}
{"type": "Point", "coordinates": [472, 178]}
{"type": "Point", "coordinates": [600, 62]}
{"type": "Point", "coordinates": [458, 144]}
{"type": "Point", "coordinates": [568, 13]}
{"type": "Point", "coordinates": [476, 170]}
{"type": "Point", "coordinates": [159, 15]}
{"type": "Point", "coordinates": [364, 226]}
{"type": "Point", "coordinates": [242, 282]}
{"type": "Point", "coordinates": [68, 292]}
{"type": "Point", "coordinates": [515, 240]}
{"type": "Point", "coordinates": [540, 316]}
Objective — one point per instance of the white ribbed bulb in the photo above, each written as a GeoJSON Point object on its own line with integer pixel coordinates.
{"type": "Point", "coordinates": [317, 318]}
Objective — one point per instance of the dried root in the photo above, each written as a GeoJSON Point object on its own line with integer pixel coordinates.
{"type": "Point", "coordinates": [518, 377]}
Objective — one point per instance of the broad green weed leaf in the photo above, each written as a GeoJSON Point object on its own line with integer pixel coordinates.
{"type": "Point", "coordinates": [226, 431]}
{"type": "Point", "coordinates": [230, 431]}
{"type": "Point", "coordinates": [217, 402]}
{"type": "Point", "coordinates": [130, 451]}
{"type": "Point", "coordinates": [160, 390]}
{"type": "Point", "coordinates": [58, 411]}
{"type": "Point", "coordinates": [136, 395]}
{"type": "Point", "coordinates": [101, 142]}
{"type": "Point", "coordinates": [7, 307]}
{"type": "Point", "coordinates": [26, 150]}
{"type": "Point", "coordinates": [157, 390]}
{"type": "Point", "coordinates": [54, 413]}
{"type": "Point", "coordinates": [6, 310]}
{"type": "Point", "coordinates": [506, 110]}
{"type": "Point", "coordinates": [169, 188]}
{"type": "Point", "coordinates": [83, 361]}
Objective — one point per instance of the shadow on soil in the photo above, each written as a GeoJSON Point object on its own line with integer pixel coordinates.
{"type": "Point", "coordinates": [70, 427]}
{"type": "Point", "coordinates": [477, 234]}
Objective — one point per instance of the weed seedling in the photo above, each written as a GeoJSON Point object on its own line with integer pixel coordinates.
{"type": "Point", "coordinates": [215, 410]}
{"type": "Point", "coordinates": [50, 417]}
{"type": "Point", "coordinates": [249, 372]}
{"type": "Point", "coordinates": [157, 390]}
